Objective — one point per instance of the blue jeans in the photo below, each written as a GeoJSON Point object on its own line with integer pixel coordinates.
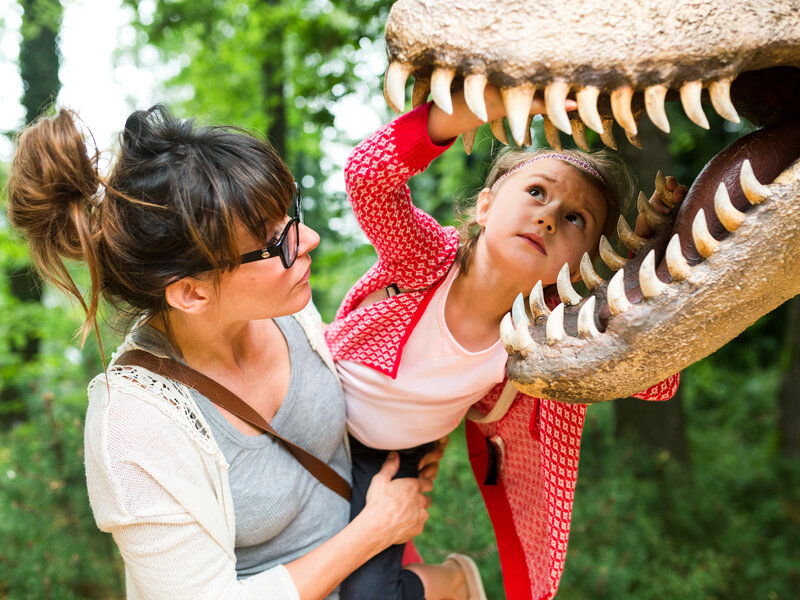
{"type": "Point", "coordinates": [382, 577]}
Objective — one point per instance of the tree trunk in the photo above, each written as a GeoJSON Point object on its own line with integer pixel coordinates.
{"type": "Point", "coordinates": [659, 425]}
{"type": "Point", "coordinates": [273, 76]}
{"type": "Point", "coordinates": [789, 395]}
{"type": "Point", "coordinates": [39, 57]}
{"type": "Point", "coordinates": [39, 61]}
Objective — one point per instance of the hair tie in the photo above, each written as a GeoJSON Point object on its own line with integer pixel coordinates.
{"type": "Point", "coordinates": [97, 198]}
{"type": "Point", "coordinates": [581, 164]}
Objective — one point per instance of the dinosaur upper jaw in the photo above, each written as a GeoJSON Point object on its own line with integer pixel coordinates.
{"type": "Point", "coordinates": [696, 284]}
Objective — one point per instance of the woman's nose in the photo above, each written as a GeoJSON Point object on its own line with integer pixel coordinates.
{"type": "Point", "coordinates": [309, 239]}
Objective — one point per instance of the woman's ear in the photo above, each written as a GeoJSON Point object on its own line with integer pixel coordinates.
{"type": "Point", "coordinates": [190, 295]}
{"type": "Point", "coordinates": [483, 206]}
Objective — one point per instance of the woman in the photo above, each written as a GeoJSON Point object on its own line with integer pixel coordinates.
{"type": "Point", "coordinates": [183, 235]}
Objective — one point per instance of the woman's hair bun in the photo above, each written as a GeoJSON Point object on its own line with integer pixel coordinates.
{"type": "Point", "coordinates": [51, 187]}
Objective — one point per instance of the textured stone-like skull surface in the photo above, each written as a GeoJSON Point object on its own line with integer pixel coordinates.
{"type": "Point", "coordinates": [732, 253]}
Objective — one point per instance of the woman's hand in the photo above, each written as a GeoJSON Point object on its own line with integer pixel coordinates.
{"type": "Point", "coordinates": [669, 193]}
{"type": "Point", "coordinates": [397, 509]}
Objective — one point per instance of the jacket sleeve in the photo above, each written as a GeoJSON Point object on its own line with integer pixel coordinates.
{"type": "Point", "coordinates": [661, 391]}
{"type": "Point", "coordinates": [153, 489]}
{"type": "Point", "coordinates": [408, 241]}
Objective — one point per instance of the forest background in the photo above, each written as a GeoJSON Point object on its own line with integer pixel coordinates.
{"type": "Point", "coordinates": [698, 497]}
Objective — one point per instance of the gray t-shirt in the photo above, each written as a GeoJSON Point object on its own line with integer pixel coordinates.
{"type": "Point", "coordinates": [282, 511]}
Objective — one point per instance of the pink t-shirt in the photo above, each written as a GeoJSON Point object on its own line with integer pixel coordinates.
{"type": "Point", "coordinates": [437, 381]}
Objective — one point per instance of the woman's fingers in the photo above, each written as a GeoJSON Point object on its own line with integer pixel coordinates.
{"type": "Point", "coordinates": [389, 467]}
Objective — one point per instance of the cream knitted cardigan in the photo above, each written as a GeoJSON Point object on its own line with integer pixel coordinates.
{"type": "Point", "coordinates": [158, 483]}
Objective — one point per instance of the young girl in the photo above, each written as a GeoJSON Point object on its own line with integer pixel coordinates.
{"type": "Point", "coordinates": [412, 363]}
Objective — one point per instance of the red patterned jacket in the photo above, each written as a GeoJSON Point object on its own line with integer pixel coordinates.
{"type": "Point", "coordinates": [526, 463]}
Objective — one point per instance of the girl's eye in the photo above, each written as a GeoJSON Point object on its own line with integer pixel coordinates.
{"type": "Point", "coordinates": [537, 193]}
{"type": "Point", "coordinates": [576, 220]}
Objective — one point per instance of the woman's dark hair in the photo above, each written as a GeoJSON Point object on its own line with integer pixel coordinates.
{"type": "Point", "coordinates": [168, 208]}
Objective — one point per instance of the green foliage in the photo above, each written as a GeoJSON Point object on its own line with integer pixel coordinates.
{"type": "Point", "coordinates": [51, 547]}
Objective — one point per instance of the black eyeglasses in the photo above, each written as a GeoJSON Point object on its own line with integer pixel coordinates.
{"type": "Point", "coordinates": [288, 243]}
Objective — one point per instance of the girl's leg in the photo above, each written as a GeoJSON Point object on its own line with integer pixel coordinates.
{"type": "Point", "coordinates": [383, 576]}
{"type": "Point", "coordinates": [444, 581]}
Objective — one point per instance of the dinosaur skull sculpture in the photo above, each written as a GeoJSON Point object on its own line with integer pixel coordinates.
{"type": "Point", "coordinates": [732, 253]}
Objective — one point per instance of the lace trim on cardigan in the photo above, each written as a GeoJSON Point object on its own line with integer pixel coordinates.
{"type": "Point", "coordinates": [154, 389]}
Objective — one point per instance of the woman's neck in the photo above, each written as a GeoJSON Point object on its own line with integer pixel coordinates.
{"type": "Point", "coordinates": [205, 344]}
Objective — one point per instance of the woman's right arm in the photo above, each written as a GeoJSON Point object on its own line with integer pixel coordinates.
{"type": "Point", "coordinates": [154, 490]}
{"type": "Point", "coordinates": [396, 511]}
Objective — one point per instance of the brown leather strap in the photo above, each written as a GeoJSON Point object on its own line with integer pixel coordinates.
{"type": "Point", "coordinates": [222, 396]}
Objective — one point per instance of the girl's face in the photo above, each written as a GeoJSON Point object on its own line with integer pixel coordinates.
{"type": "Point", "coordinates": [264, 288]}
{"type": "Point", "coordinates": [538, 218]}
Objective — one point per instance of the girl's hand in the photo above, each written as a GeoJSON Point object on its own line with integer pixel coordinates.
{"type": "Point", "coordinates": [397, 509]}
{"type": "Point", "coordinates": [668, 195]}
{"type": "Point", "coordinates": [429, 464]}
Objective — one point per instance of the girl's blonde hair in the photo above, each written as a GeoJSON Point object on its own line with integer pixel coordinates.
{"type": "Point", "coordinates": [617, 187]}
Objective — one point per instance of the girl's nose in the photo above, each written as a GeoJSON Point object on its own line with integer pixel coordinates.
{"type": "Point", "coordinates": [309, 239]}
{"type": "Point", "coordinates": [547, 221]}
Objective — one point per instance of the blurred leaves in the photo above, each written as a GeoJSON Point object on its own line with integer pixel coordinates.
{"type": "Point", "coordinates": [644, 527]}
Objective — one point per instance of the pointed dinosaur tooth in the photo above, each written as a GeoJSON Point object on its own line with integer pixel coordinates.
{"type": "Point", "coordinates": [617, 300]}
{"type": "Point", "coordinates": [579, 134]}
{"type": "Point", "coordinates": [654, 219]}
{"type": "Point", "coordinates": [474, 86]}
{"type": "Point", "coordinates": [588, 274]}
{"type": "Point", "coordinates": [420, 91]}
{"type": "Point", "coordinates": [678, 267]}
{"type": "Point", "coordinates": [586, 326]}
{"type": "Point", "coordinates": [651, 285]}
{"type": "Point", "coordinates": [587, 107]}
{"type": "Point", "coordinates": [555, 96]}
{"type": "Point", "coordinates": [614, 261]}
{"type": "Point", "coordinates": [525, 341]}
{"type": "Point", "coordinates": [551, 135]}
{"type": "Point", "coordinates": [690, 99]}
{"type": "Point", "coordinates": [518, 311]}
{"type": "Point", "coordinates": [528, 141]}
{"type": "Point", "coordinates": [654, 98]}
{"type": "Point", "coordinates": [720, 92]}
{"type": "Point", "coordinates": [634, 139]}
{"type": "Point", "coordinates": [468, 137]}
{"type": "Point", "coordinates": [507, 334]}
{"type": "Point", "coordinates": [621, 107]}
{"type": "Point", "coordinates": [730, 217]}
{"type": "Point", "coordinates": [632, 241]}
{"type": "Point", "coordinates": [754, 190]}
{"type": "Point", "coordinates": [667, 197]}
{"type": "Point", "coordinates": [517, 101]}
{"type": "Point", "coordinates": [554, 329]}
{"type": "Point", "coordinates": [703, 240]}
{"type": "Point", "coordinates": [537, 303]}
{"type": "Point", "coordinates": [566, 292]}
{"type": "Point", "coordinates": [441, 79]}
{"type": "Point", "coordinates": [394, 85]}
{"type": "Point", "coordinates": [608, 134]}
{"type": "Point", "coordinates": [499, 130]}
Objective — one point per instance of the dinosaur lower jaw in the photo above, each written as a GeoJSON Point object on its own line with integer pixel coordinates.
{"type": "Point", "coordinates": [731, 257]}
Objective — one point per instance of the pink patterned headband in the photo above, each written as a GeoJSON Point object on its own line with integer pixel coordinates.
{"type": "Point", "coordinates": [582, 164]}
